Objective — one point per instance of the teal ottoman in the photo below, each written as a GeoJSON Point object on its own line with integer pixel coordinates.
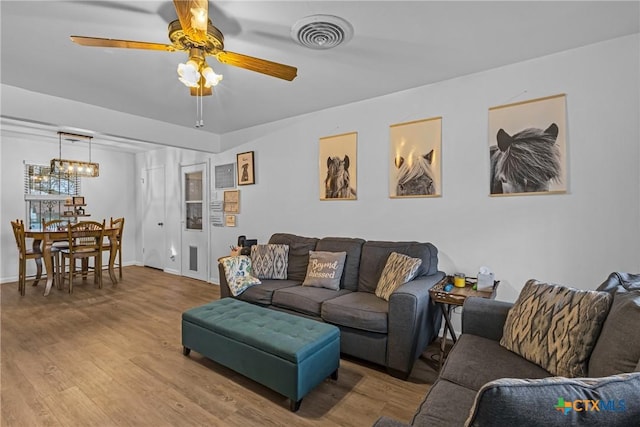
{"type": "Point", "coordinates": [287, 353]}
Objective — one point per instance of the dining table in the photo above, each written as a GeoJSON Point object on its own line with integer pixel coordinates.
{"type": "Point", "coordinates": [44, 239]}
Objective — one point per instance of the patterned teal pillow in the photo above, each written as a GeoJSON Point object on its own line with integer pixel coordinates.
{"type": "Point", "coordinates": [398, 270]}
{"type": "Point", "coordinates": [237, 271]}
{"type": "Point", "coordinates": [270, 261]}
{"type": "Point", "coordinates": [555, 327]}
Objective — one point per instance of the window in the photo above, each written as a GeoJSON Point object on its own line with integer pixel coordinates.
{"type": "Point", "coordinates": [45, 194]}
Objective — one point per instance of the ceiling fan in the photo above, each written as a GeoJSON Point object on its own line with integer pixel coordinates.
{"type": "Point", "coordinates": [193, 32]}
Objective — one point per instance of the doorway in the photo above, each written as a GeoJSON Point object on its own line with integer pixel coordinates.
{"type": "Point", "coordinates": [153, 234]}
{"type": "Point", "coordinates": [195, 224]}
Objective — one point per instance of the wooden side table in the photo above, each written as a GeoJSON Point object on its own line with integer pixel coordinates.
{"type": "Point", "coordinates": [454, 298]}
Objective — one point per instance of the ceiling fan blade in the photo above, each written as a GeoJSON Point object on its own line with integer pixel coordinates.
{"type": "Point", "coordinates": [274, 69]}
{"type": "Point", "coordinates": [194, 18]}
{"type": "Point", "coordinates": [127, 44]}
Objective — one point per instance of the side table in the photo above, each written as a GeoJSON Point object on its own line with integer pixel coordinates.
{"type": "Point", "coordinates": [454, 298]}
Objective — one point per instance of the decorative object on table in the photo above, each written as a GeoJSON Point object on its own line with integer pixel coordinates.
{"type": "Point", "coordinates": [230, 220]}
{"type": "Point", "coordinates": [245, 168]}
{"type": "Point", "coordinates": [60, 166]}
{"type": "Point", "coordinates": [527, 147]}
{"type": "Point", "coordinates": [232, 201]}
{"type": "Point", "coordinates": [486, 279]}
{"type": "Point", "coordinates": [459, 280]}
{"type": "Point", "coordinates": [415, 158]}
{"type": "Point", "coordinates": [338, 167]}
{"type": "Point", "coordinates": [77, 200]}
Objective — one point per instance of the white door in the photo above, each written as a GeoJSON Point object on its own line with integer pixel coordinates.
{"type": "Point", "coordinates": [195, 230]}
{"type": "Point", "coordinates": [153, 234]}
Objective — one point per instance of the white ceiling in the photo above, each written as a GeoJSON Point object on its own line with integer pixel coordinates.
{"type": "Point", "coordinates": [397, 45]}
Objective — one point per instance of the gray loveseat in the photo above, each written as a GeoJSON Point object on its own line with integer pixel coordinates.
{"type": "Point", "coordinates": [484, 384]}
{"type": "Point", "coordinates": [392, 334]}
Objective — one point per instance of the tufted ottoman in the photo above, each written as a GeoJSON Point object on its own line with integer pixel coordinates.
{"type": "Point", "coordinates": [287, 353]}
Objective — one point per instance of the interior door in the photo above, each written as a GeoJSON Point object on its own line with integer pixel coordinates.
{"type": "Point", "coordinates": [195, 230]}
{"type": "Point", "coordinates": [153, 234]}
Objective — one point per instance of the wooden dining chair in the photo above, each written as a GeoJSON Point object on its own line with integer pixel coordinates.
{"type": "Point", "coordinates": [23, 255]}
{"type": "Point", "coordinates": [56, 247]}
{"type": "Point", "coordinates": [85, 242]}
{"type": "Point", "coordinates": [119, 223]}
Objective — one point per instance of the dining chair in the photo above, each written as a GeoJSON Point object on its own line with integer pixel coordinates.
{"type": "Point", "coordinates": [56, 246]}
{"type": "Point", "coordinates": [85, 242]}
{"type": "Point", "coordinates": [23, 255]}
{"type": "Point", "coordinates": [119, 223]}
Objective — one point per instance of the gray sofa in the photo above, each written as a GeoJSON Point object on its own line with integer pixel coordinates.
{"type": "Point", "coordinates": [392, 334]}
{"type": "Point", "coordinates": [484, 384]}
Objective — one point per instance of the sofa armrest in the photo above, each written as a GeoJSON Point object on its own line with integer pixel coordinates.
{"type": "Point", "coordinates": [413, 323]}
{"type": "Point", "coordinates": [484, 317]}
{"type": "Point", "coordinates": [224, 286]}
{"type": "Point", "coordinates": [388, 422]}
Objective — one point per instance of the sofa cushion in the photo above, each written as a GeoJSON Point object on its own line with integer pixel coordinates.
{"type": "Point", "coordinates": [325, 269]}
{"type": "Point", "coordinates": [270, 261]}
{"type": "Point", "coordinates": [304, 299]}
{"type": "Point", "coordinates": [558, 401]}
{"type": "Point", "coordinates": [445, 405]}
{"type": "Point", "coordinates": [398, 270]}
{"type": "Point", "coordinates": [353, 248]}
{"type": "Point", "coordinates": [263, 293]}
{"type": "Point", "coordinates": [237, 271]}
{"type": "Point", "coordinates": [299, 248]}
{"type": "Point", "coordinates": [556, 327]}
{"type": "Point", "coordinates": [474, 361]}
{"type": "Point", "coordinates": [357, 310]}
{"type": "Point", "coordinates": [618, 346]}
{"type": "Point", "coordinates": [374, 257]}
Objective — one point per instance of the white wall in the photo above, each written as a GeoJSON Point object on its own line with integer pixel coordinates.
{"type": "Point", "coordinates": [109, 195]}
{"type": "Point", "coordinates": [575, 239]}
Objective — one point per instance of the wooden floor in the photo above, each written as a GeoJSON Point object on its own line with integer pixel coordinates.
{"type": "Point", "coordinates": [112, 357]}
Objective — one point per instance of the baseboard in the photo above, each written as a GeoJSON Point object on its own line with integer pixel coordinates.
{"type": "Point", "coordinates": [172, 271]}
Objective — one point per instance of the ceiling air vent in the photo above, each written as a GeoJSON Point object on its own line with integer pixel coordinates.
{"type": "Point", "coordinates": [321, 31]}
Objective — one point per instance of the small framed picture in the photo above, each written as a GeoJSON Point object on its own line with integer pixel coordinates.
{"type": "Point", "coordinates": [230, 220]}
{"type": "Point", "coordinates": [244, 164]}
{"type": "Point", "coordinates": [78, 200]}
{"type": "Point", "coordinates": [231, 203]}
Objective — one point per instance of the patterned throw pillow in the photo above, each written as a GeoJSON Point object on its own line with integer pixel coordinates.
{"type": "Point", "coordinates": [270, 261]}
{"type": "Point", "coordinates": [555, 327]}
{"type": "Point", "coordinates": [399, 269]}
{"type": "Point", "coordinates": [325, 269]}
{"type": "Point", "coordinates": [237, 271]}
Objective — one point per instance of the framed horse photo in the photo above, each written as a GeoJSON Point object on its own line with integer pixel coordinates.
{"type": "Point", "coordinates": [528, 147]}
{"type": "Point", "coordinates": [244, 162]}
{"type": "Point", "coordinates": [415, 159]}
{"type": "Point", "coordinates": [338, 177]}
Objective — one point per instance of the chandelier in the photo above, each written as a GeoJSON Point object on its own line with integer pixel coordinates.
{"type": "Point", "coordinates": [74, 167]}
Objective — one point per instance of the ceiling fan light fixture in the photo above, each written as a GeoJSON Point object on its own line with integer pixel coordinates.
{"type": "Point", "coordinates": [188, 73]}
{"type": "Point", "coordinates": [321, 31]}
{"type": "Point", "coordinates": [210, 76]}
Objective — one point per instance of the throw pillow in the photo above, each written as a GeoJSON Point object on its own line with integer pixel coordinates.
{"type": "Point", "coordinates": [618, 347]}
{"type": "Point", "coordinates": [555, 327]}
{"type": "Point", "coordinates": [325, 269]}
{"type": "Point", "coordinates": [237, 271]}
{"type": "Point", "coordinates": [399, 269]}
{"type": "Point", "coordinates": [558, 401]}
{"type": "Point", "coordinates": [270, 261]}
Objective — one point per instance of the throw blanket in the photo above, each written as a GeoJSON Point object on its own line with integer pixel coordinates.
{"type": "Point", "coordinates": [238, 272]}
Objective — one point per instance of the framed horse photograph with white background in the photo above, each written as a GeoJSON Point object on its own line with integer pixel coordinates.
{"type": "Point", "coordinates": [528, 147]}
{"type": "Point", "coordinates": [338, 167]}
{"type": "Point", "coordinates": [415, 158]}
